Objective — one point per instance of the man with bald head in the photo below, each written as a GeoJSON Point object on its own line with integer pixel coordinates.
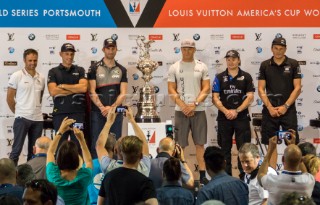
{"type": "Point", "coordinates": [167, 148]}
{"type": "Point", "coordinates": [38, 162]}
{"type": "Point", "coordinates": [294, 177]}
{"type": "Point", "coordinates": [8, 182]}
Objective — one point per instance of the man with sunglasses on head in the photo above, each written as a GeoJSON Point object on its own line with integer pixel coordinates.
{"type": "Point", "coordinates": [41, 192]}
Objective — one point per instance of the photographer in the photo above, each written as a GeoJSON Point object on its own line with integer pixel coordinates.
{"type": "Point", "coordinates": [294, 177]}
{"type": "Point", "coordinates": [107, 163]}
{"type": "Point", "coordinates": [64, 172]}
{"type": "Point", "coordinates": [167, 148]}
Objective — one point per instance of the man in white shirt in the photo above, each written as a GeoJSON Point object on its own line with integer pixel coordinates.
{"type": "Point", "coordinates": [249, 157]}
{"type": "Point", "coordinates": [24, 97]}
{"type": "Point", "coordinates": [188, 87]}
{"type": "Point", "coordinates": [294, 177]}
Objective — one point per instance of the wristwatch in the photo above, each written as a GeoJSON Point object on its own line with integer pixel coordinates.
{"type": "Point", "coordinates": [196, 103]}
{"type": "Point", "coordinates": [238, 110]}
{"type": "Point", "coordinates": [286, 106]}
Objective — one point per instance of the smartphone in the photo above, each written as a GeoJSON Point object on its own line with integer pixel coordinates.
{"type": "Point", "coordinates": [283, 134]}
{"type": "Point", "coordinates": [78, 125]}
{"type": "Point", "coordinates": [121, 109]}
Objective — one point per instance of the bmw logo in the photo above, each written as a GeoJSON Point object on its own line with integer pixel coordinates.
{"type": "Point", "coordinates": [156, 89]}
{"type": "Point", "coordinates": [196, 37]}
{"type": "Point", "coordinates": [135, 76]}
{"type": "Point", "coordinates": [176, 50]}
{"type": "Point", "coordinates": [11, 50]}
{"type": "Point", "coordinates": [94, 50]}
{"type": "Point", "coordinates": [318, 88]}
{"type": "Point", "coordinates": [278, 35]}
{"type": "Point", "coordinates": [31, 37]}
{"type": "Point", "coordinates": [114, 36]}
{"type": "Point", "coordinates": [259, 49]}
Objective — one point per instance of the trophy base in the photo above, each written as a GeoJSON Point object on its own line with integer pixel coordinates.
{"type": "Point", "coordinates": [147, 120]}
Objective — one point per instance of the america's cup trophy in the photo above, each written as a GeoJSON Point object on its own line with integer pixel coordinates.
{"type": "Point", "coordinates": [147, 101]}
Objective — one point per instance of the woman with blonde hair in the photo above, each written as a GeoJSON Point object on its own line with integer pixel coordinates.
{"type": "Point", "coordinates": [312, 164]}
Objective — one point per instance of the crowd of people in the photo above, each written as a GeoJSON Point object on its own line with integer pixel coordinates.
{"type": "Point", "coordinates": [117, 169]}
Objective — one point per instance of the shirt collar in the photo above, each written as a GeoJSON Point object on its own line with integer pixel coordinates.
{"type": "Point", "coordinates": [25, 72]}
{"type": "Point", "coordinates": [163, 154]}
{"type": "Point", "coordinates": [285, 62]}
{"type": "Point", "coordinates": [61, 67]}
{"type": "Point", "coordinates": [171, 184]}
{"type": "Point", "coordinates": [104, 65]}
{"type": "Point", "coordinates": [291, 172]}
{"type": "Point", "coordinates": [219, 175]}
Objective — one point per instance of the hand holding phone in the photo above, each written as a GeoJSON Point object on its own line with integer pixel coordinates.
{"type": "Point", "coordinates": [282, 135]}
{"type": "Point", "coordinates": [121, 109]}
{"type": "Point", "coordinates": [78, 125]}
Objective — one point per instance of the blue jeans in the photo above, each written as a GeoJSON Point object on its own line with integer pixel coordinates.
{"type": "Point", "coordinates": [97, 123]}
{"type": "Point", "coordinates": [21, 128]}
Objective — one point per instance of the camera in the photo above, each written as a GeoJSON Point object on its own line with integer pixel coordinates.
{"type": "Point", "coordinates": [121, 109]}
{"type": "Point", "coordinates": [169, 131]}
{"type": "Point", "coordinates": [78, 125]}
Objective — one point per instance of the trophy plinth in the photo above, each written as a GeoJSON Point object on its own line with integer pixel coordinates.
{"type": "Point", "coordinates": [147, 101]}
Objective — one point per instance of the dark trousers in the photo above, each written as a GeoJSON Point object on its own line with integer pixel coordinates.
{"type": "Point", "coordinates": [21, 128]}
{"type": "Point", "coordinates": [226, 129]}
{"type": "Point", "coordinates": [58, 118]}
{"type": "Point", "coordinates": [270, 125]}
{"type": "Point", "coordinates": [97, 123]}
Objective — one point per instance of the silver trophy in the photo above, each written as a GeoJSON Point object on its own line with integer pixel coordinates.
{"type": "Point", "coordinates": [147, 101]}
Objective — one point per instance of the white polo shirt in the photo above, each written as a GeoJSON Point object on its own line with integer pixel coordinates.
{"type": "Point", "coordinates": [188, 77]}
{"type": "Point", "coordinates": [28, 94]}
{"type": "Point", "coordinates": [287, 182]}
{"type": "Point", "coordinates": [256, 192]}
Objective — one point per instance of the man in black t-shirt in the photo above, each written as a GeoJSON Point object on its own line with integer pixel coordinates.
{"type": "Point", "coordinates": [279, 86]}
{"type": "Point", "coordinates": [67, 84]}
{"type": "Point", "coordinates": [125, 185]}
{"type": "Point", "coordinates": [232, 93]}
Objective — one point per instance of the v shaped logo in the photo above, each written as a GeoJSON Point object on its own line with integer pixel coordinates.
{"type": "Point", "coordinates": [135, 12]}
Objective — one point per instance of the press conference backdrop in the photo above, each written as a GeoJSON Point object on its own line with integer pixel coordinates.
{"type": "Point", "coordinates": [217, 26]}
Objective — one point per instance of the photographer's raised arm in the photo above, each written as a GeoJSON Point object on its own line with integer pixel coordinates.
{"type": "Point", "coordinates": [65, 126]}
{"type": "Point", "coordinates": [103, 137]}
{"type": "Point", "coordinates": [263, 170]}
{"type": "Point", "coordinates": [190, 182]}
{"type": "Point", "coordinates": [138, 132]}
{"type": "Point", "coordinates": [85, 151]}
